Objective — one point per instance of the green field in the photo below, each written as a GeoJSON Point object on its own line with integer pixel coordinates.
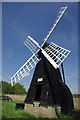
{"type": "Point", "coordinates": [9, 111]}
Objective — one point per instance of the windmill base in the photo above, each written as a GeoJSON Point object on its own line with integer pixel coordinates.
{"type": "Point", "coordinates": [42, 111]}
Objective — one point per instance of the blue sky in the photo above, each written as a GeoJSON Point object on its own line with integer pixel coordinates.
{"type": "Point", "coordinates": [36, 19]}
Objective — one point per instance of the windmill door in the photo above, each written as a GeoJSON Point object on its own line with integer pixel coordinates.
{"type": "Point", "coordinates": [38, 93]}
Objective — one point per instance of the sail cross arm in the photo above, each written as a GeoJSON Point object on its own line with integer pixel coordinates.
{"type": "Point", "coordinates": [54, 53]}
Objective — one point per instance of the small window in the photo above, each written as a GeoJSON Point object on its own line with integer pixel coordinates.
{"type": "Point", "coordinates": [40, 79]}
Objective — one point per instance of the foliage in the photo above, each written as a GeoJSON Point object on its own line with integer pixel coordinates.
{"type": "Point", "coordinates": [17, 89]}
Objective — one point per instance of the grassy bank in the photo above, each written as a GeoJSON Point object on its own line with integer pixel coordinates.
{"type": "Point", "coordinates": [9, 111]}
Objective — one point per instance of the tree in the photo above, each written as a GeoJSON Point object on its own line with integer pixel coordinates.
{"type": "Point", "coordinates": [17, 89]}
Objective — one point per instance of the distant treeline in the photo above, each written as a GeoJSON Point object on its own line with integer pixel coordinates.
{"type": "Point", "coordinates": [76, 95]}
{"type": "Point", "coordinates": [16, 89]}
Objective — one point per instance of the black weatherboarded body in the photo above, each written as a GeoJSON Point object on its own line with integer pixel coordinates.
{"type": "Point", "coordinates": [48, 88]}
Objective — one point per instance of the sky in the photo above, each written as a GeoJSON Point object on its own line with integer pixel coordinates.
{"type": "Point", "coordinates": [20, 19]}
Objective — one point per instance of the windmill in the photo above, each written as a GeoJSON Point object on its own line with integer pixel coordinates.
{"type": "Point", "coordinates": [47, 85]}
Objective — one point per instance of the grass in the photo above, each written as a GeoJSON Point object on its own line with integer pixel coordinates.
{"type": "Point", "coordinates": [9, 111]}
